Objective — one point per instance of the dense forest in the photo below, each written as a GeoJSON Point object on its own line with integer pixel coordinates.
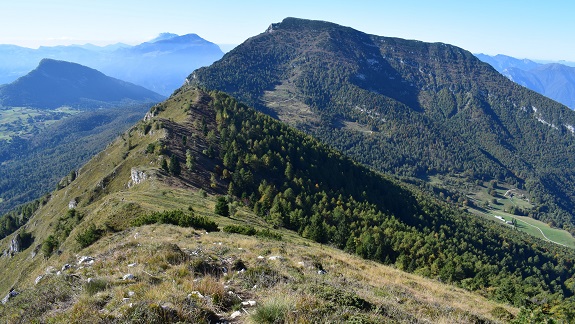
{"type": "Point", "coordinates": [294, 181]}
{"type": "Point", "coordinates": [409, 108]}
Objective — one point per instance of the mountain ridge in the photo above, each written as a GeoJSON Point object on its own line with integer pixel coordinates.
{"type": "Point", "coordinates": [429, 103]}
{"type": "Point", "coordinates": [276, 178]}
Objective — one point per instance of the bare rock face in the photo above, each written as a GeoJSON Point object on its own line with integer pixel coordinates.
{"type": "Point", "coordinates": [15, 244]}
{"type": "Point", "coordinates": [137, 177]}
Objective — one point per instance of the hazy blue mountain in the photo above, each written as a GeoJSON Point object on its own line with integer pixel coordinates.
{"type": "Point", "coordinates": [58, 83]}
{"type": "Point", "coordinates": [501, 62]}
{"type": "Point", "coordinates": [161, 64]}
{"type": "Point", "coordinates": [553, 80]}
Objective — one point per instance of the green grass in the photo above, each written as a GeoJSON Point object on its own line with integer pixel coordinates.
{"type": "Point", "coordinates": [525, 224]}
{"type": "Point", "coordinates": [21, 121]}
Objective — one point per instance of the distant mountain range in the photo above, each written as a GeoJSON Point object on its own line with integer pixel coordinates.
{"type": "Point", "coordinates": [41, 153]}
{"type": "Point", "coordinates": [553, 80]}
{"type": "Point", "coordinates": [55, 84]}
{"type": "Point", "coordinates": [160, 65]}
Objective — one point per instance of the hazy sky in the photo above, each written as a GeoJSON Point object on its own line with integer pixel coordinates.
{"type": "Point", "coordinates": [520, 28]}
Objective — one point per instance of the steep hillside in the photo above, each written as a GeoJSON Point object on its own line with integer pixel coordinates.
{"type": "Point", "coordinates": [55, 84]}
{"type": "Point", "coordinates": [282, 185]}
{"type": "Point", "coordinates": [407, 107]}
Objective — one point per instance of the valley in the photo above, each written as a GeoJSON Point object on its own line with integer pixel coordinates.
{"type": "Point", "coordinates": [25, 122]}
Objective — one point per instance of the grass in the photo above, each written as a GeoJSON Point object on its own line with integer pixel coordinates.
{"type": "Point", "coordinates": [525, 224]}
{"type": "Point", "coordinates": [186, 274]}
{"type": "Point", "coordinates": [23, 121]}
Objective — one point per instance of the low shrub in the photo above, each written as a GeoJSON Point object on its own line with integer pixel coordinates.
{"type": "Point", "coordinates": [177, 217]}
{"type": "Point", "coordinates": [89, 236]}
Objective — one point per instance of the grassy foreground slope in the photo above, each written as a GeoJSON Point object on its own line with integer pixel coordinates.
{"type": "Point", "coordinates": [175, 159]}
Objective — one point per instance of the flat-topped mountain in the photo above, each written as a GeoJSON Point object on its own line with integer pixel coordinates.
{"type": "Point", "coordinates": [55, 84]}
{"type": "Point", "coordinates": [415, 109]}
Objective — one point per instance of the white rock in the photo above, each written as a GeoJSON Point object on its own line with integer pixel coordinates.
{"type": "Point", "coordinates": [131, 294]}
{"type": "Point", "coordinates": [260, 257]}
{"type": "Point", "coordinates": [235, 314]}
{"type": "Point", "coordinates": [38, 279]}
{"type": "Point", "coordinates": [66, 267]}
{"type": "Point", "coordinates": [86, 259]}
{"type": "Point", "coordinates": [196, 293]}
{"type": "Point", "coordinates": [132, 264]}
{"type": "Point", "coordinates": [275, 257]}
{"type": "Point", "coordinates": [252, 302]}
{"type": "Point", "coordinates": [128, 276]}
{"type": "Point", "coordinates": [321, 272]}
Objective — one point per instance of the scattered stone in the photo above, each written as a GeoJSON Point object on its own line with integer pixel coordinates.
{"type": "Point", "coordinates": [131, 294]}
{"type": "Point", "coordinates": [321, 272]}
{"type": "Point", "coordinates": [58, 273]}
{"type": "Point", "coordinates": [38, 279]}
{"type": "Point", "coordinates": [86, 259]}
{"type": "Point", "coordinates": [66, 267]}
{"type": "Point", "coordinates": [275, 257]}
{"type": "Point", "coordinates": [260, 257]}
{"type": "Point", "coordinates": [249, 303]}
{"type": "Point", "coordinates": [236, 314]}
{"type": "Point", "coordinates": [132, 264]}
{"type": "Point", "coordinates": [197, 294]}
{"type": "Point", "coordinates": [128, 276]}
{"type": "Point", "coordinates": [72, 204]}
{"type": "Point", "coordinates": [35, 251]}
{"type": "Point", "coordinates": [301, 263]}
{"type": "Point", "coordinates": [13, 293]}
{"type": "Point", "coordinates": [125, 299]}
{"type": "Point", "coordinates": [50, 270]}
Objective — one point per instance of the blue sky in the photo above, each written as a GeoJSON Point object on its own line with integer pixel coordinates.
{"type": "Point", "coordinates": [524, 29]}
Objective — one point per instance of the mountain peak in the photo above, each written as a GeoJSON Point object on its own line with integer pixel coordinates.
{"type": "Point", "coordinates": [299, 23]}
{"type": "Point", "coordinates": [163, 36]}
{"type": "Point", "coordinates": [57, 83]}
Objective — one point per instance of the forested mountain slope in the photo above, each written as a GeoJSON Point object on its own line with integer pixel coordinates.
{"type": "Point", "coordinates": [274, 176]}
{"type": "Point", "coordinates": [407, 107]}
